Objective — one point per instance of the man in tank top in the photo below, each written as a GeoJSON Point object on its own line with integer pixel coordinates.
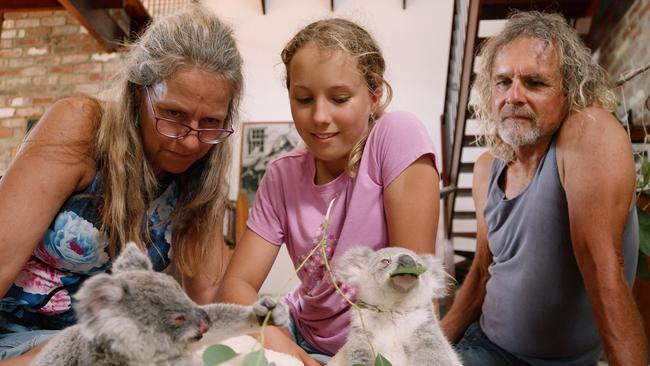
{"type": "Point", "coordinates": [557, 232]}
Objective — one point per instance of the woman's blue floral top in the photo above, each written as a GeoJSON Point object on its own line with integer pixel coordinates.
{"type": "Point", "coordinates": [73, 249]}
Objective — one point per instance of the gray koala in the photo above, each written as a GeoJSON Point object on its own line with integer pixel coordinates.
{"type": "Point", "coordinates": [395, 288]}
{"type": "Point", "coordinates": [136, 316]}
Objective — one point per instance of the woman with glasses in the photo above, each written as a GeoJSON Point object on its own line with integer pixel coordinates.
{"type": "Point", "coordinates": [148, 164]}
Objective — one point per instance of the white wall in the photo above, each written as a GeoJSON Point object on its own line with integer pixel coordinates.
{"type": "Point", "coordinates": [415, 43]}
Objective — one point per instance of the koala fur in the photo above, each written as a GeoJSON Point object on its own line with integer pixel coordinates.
{"type": "Point", "coordinates": [397, 310]}
{"type": "Point", "coordinates": [136, 316]}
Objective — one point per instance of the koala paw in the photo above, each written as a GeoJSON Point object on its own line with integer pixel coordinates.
{"type": "Point", "coordinates": [279, 311]}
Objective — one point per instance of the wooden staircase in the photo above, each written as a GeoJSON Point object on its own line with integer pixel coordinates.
{"type": "Point", "coordinates": [474, 21]}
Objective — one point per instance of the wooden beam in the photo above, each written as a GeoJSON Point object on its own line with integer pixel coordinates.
{"type": "Point", "coordinates": [97, 21]}
{"type": "Point", "coordinates": [29, 5]}
{"type": "Point", "coordinates": [473, 17]}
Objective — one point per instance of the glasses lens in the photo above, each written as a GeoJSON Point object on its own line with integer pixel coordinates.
{"type": "Point", "coordinates": [213, 136]}
{"type": "Point", "coordinates": [171, 128]}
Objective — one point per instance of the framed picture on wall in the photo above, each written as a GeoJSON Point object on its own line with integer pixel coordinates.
{"type": "Point", "coordinates": [261, 143]}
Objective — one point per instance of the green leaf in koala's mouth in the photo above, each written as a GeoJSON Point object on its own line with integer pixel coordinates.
{"type": "Point", "coordinates": [416, 270]}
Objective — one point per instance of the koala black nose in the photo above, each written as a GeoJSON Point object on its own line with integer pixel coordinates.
{"type": "Point", "coordinates": [405, 260]}
{"type": "Point", "coordinates": [203, 320]}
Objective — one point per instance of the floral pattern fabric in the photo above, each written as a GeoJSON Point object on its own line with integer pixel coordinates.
{"type": "Point", "coordinates": [72, 249]}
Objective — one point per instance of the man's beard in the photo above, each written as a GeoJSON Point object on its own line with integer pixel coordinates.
{"type": "Point", "coordinates": [516, 134]}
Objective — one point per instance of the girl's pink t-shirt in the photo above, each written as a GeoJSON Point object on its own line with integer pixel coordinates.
{"type": "Point", "coordinates": [289, 208]}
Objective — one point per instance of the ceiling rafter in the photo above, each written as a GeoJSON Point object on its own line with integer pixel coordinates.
{"type": "Point", "coordinates": [94, 16]}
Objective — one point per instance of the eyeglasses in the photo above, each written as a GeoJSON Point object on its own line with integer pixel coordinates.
{"type": "Point", "coordinates": [179, 129]}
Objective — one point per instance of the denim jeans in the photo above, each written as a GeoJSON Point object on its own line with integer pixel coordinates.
{"type": "Point", "coordinates": [313, 352]}
{"type": "Point", "coordinates": [16, 339]}
{"type": "Point", "coordinates": [475, 349]}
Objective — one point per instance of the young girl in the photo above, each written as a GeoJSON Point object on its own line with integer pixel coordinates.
{"type": "Point", "coordinates": [377, 167]}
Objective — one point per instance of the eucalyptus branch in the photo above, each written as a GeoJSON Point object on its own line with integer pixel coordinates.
{"type": "Point", "coordinates": [332, 278]}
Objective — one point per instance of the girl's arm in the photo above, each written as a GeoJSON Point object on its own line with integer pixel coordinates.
{"type": "Point", "coordinates": [244, 276]}
{"type": "Point", "coordinates": [54, 161]}
{"type": "Point", "coordinates": [412, 203]}
{"type": "Point", "coordinates": [247, 270]}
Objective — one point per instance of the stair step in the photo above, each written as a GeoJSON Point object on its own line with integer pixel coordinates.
{"type": "Point", "coordinates": [463, 225]}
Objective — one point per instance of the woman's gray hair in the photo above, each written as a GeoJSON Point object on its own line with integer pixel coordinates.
{"type": "Point", "coordinates": [584, 82]}
{"type": "Point", "coordinates": [191, 38]}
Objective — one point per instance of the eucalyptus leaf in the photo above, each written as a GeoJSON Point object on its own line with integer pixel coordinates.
{"type": "Point", "coordinates": [382, 361]}
{"type": "Point", "coordinates": [645, 173]}
{"type": "Point", "coordinates": [256, 358]}
{"type": "Point", "coordinates": [216, 354]}
{"type": "Point", "coordinates": [416, 270]}
{"type": "Point", "coordinates": [642, 270]}
{"type": "Point", "coordinates": [644, 231]}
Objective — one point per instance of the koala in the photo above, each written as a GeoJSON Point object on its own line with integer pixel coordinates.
{"type": "Point", "coordinates": [136, 316]}
{"type": "Point", "coordinates": [394, 290]}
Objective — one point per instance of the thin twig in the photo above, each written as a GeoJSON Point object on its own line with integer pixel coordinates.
{"type": "Point", "coordinates": [626, 76]}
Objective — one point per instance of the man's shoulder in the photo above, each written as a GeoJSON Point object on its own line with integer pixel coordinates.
{"type": "Point", "coordinates": [592, 128]}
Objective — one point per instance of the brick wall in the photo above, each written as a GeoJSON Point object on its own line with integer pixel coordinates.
{"type": "Point", "coordinates": [44, 56]}
{"type": "Point", "coordinates": [627, 46]}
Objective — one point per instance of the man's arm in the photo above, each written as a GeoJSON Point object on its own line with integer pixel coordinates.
{"type": "Point", "coordinates": [597, 171]}
{"type": "Point", "coordinates": [466, 308]}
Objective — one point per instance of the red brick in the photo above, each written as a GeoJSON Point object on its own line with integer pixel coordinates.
{"type": "Point", "coordinates": [9, 72]}
{"type": "Point", "coordinates": [65, 29]}
{"type": "Point", "coordinates": [47, 60]}
{"type": "Point", "coordinates": [52, 21]}
{"type": "Point", "coordinates": [62, 69]}
{"type": "Point", "coordinates": [42, 100]}
{"type": "Point", "coordinates": [38, 32]}
{"type": "Point", "coordinates": [34, 71]}
{"type": "Point", "coordinates": [29, 112]}
{"type": "Point", "coordinates": [11, 52]}
{"type": "Point", "coordinates": [72, 79]}
{"type": "Point", "coordinates": [96, 77]}
{"type": "Point", "coordinates": [15, 122]}
{"type": "Point", "coordinates": [88, 67]}
{"type": "Point", "coordinates": [28, 23]}
{"type": "Point", "coordinates": [18, 82]}
{"type": "Point", "coordinates": [6, 132]}
{"type": "Point", "coordinates": [15, 15]}
{"type": "Point", "coordinates": [21, 62]}
{"type": "Point", "coordinates": [46, 80]}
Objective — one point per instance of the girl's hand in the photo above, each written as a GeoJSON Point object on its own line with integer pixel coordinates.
{"type": "Point", "coordinates": [278, 339]}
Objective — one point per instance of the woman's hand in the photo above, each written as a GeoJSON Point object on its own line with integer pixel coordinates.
{"type": "Point", "coordinates": [278, 339]}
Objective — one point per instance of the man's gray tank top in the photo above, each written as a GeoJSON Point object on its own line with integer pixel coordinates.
{"type": "Point", "coordinates": [536, 305]}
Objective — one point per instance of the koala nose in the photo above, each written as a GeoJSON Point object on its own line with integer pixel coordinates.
{"type": "Point", "coordinates": [204, 321]}
{"type": "Point", "coordinates": [405, 260]}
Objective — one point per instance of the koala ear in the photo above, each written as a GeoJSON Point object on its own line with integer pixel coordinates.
{"type": "Point", "coordinates": [351, 264]}
{"type": "Point", "coordinates": [131, 259]}
{"type": "Point", "coordinates": [97, 293]}
{"type": "Point", "coordinates": [438, 274]}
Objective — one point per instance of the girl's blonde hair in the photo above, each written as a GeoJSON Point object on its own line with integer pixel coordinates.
{"type": "Point", "coordinates": [343, 35]}
{"type": "Point", "coordinates": [194, 37]}
{"type": "Point", "coordinates": [584, 82]}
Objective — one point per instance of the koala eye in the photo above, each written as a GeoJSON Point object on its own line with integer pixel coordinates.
{"type": "Point", "coordinates": [385, 262]}
{"type": "Point", "coordinates": [178, 320]}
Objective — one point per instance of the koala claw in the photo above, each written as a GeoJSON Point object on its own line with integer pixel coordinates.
{"type": "Point", "coordinates": [279, 312]}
